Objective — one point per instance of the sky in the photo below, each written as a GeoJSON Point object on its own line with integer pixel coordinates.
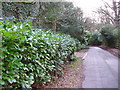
{"type": "Point", "coordinates": [88, 6]}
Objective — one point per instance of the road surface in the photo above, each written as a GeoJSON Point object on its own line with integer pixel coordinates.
{"type": "Point", "coordinates": [101, 69]}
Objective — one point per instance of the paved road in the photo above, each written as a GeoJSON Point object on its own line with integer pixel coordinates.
{"type": "Point", "coordinates": [101, 69]}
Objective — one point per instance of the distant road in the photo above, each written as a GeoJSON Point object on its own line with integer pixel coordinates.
{"type": "Point", "coordinates": [101, 69]}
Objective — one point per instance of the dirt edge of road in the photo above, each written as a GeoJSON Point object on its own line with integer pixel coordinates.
{"type": "Point", "coordinates": [72, 74]}
{"type": "Point", "coordinates": [113, 51]}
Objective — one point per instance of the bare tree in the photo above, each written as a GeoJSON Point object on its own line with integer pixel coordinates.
{"type": "Point", "coordinates": [110, 14]}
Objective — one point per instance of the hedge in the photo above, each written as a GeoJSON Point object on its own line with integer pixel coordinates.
{"type": "Point", "coordinates": [31, 55]}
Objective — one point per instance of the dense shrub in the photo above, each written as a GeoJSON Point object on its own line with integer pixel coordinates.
{"type": "Point", "coordinates": [108, 37]}
{"type": "Point", "coordinates": [87, 37]}
{"type": "Point", "coordinates": [78, 44]}
{"type": "Point", "coordinates": [95, 39]}
{"type": "Point", "coordinates": [32, 55]}
{"type": "Point", "coordinates": [116, 33]}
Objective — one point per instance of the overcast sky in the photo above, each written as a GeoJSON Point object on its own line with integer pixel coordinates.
{"type": "Point", "coordinates": [88, 6]}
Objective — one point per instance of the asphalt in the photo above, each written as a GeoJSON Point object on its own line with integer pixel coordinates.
{"type": "Point", "coordinates": [101, 69]}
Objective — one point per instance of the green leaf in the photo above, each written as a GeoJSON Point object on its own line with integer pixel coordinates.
{"type": "Point", "coordinates": [11, 80]}
{"type": "Point", "coordinates": [2, 82]}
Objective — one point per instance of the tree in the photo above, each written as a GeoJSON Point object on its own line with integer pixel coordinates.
{"type": "Point", "coordinates": [21, 11]}
{"type": "Point", "coordinates": [110, 14]}
{"type": "Point", "coordinates": [74, 24]}
{"type": "Point", "coordinates": [55, 16]}
{"type": "Point", "coordinates": [58, 14]}
{"type": "Point", "coordinates": [90, 24]}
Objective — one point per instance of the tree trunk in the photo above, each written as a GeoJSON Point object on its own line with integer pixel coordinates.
{"type": "Point", "coordinates": [116, 8]}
